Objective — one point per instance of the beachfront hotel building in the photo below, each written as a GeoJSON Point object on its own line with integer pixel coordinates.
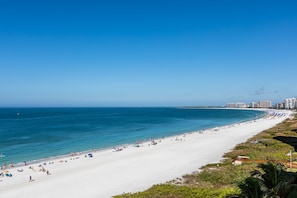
{"type": "Point", "coordinates": [261, 104]}
{"type": "Point", "coordinates": [237, 105]}
{"type": "Point", "coordinates": [255, 105]}
{"type": "Point", "coordinates": [290, 103]}
{"type": "Point", "coordinates": [279, 105]}
{"type": "Point", "coordinates": [265, 104]}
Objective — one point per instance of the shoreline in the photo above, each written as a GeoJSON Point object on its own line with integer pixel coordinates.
{"type": "Point", "coordinates": [132, 169]}
{"type": "Point", "coordinates": [83, 152]}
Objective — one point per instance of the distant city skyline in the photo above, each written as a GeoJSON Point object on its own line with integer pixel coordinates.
{"type": "Point", "coordinates": [146, 53]}
{"type": "Point", "coordinates": [287, 103]}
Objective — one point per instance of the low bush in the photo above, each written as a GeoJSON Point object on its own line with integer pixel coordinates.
{"type": "Point", "coordinates": [172, 191]}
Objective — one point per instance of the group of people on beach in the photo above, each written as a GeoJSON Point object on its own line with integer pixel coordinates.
{"type": "Point", "coordinates": [4, 166]}
{"type": "Point", "coordinates": [42, 169]}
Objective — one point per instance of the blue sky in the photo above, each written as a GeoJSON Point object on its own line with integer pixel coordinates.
{"type": "Point", "coordinates": [146, 53]}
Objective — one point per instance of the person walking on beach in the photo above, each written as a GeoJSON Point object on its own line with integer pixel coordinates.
{"type": "Point", "coordinates": [30, 178]}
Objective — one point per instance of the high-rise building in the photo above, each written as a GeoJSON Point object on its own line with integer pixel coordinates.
{"type": "Point", "coordinates": [280, 105]}
{"type": "Point", "coordinates": [255, 105]}
{"type": "Point", "coordinates": [265, 104]}
{"type": "Point", "coordinates": [237, 105]}
{"type": "Point", "coordinates": [290, 103]}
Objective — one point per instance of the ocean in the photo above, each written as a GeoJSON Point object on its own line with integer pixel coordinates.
{"type": "Point", "coordinates": [28, 134]}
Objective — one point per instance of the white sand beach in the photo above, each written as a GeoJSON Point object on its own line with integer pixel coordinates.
{"type": "Point", "coordinates": [132, 169]}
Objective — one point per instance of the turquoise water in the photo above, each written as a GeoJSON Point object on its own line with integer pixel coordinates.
{"type": "Point", "coordinates": [33, 133]}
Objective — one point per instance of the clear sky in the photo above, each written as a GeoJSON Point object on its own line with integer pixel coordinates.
{"type": "Point", "coordinates": [146, 52]}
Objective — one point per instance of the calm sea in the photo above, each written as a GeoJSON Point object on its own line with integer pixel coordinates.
{"type": "Point", "coordinates": [33, 133]}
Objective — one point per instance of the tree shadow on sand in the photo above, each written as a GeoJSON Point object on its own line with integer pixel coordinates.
{"type": "Point", "coordinates": [288, 140]}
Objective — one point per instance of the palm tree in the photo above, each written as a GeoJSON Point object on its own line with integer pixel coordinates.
{"type": "Point", "coordinates": [252, 187]}
{"type": "Point", "coordinates": [271, 181]}
{"type": "Point", "coordinates": [273, 177]}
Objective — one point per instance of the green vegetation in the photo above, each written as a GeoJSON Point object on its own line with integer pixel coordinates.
{"type": "Point", "coordinates": [227, 180]}
{"type": "Point", "coordinates": [172, 191]}
{"type": "Point", "coordinates": [270, 181]}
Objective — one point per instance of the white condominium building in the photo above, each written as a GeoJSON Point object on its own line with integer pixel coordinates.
{"type": "Point", "coordinates": [290, 103]}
